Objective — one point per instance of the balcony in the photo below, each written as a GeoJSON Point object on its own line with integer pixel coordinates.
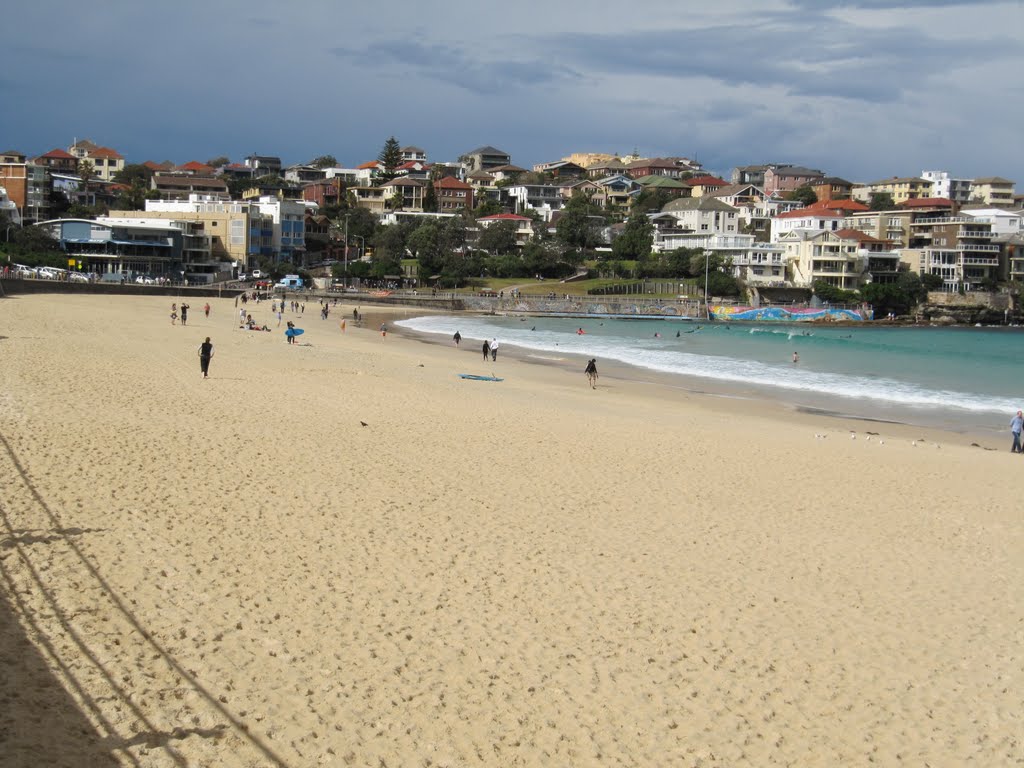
{"type": "Point", "coordinates": [943, 220]}
{"type": "Point", "coordinates": [974, 233]}
{"type": "Point", "coordinates": [976, 247]}
{"type": "Point", "coordinates": [980, 261]}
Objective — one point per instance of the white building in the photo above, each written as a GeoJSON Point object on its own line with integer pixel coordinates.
{"type": "Point", "coordinates": [8, 208]}
{"type": "Point", "coordinates": [957, 190]}
{"type": "Point", "coordinates": [1003, 222]}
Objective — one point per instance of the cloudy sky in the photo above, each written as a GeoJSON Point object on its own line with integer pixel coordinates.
{"type": "Point", "coordinates": [861, 89]}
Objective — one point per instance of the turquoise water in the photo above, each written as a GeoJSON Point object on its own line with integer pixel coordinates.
{"type": "Point", "coordinates": [955, 378]}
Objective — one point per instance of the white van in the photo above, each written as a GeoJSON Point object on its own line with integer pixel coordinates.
{"type": "Point", "coordinates": [289, 281]}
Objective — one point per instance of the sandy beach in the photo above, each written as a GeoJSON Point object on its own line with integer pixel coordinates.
{"type": "Point", "coordinates": [339, 553]}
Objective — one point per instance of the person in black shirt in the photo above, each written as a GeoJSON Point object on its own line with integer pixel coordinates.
{"type": "Point", "coordinates": [205, 353]}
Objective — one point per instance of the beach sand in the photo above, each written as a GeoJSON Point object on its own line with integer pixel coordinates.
{"type": "Point", "coordinates": [238, 572]}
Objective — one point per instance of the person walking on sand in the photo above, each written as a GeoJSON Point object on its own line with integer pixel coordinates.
{"type": "Point", "coordinates": [457, 338]}
{"type": "Point", "coordinates": [383, 329]}
{"type": "Point", "coordinates": [205, 353]}
{"type": "Point", "coordinates": [206, 309]}
{"type": "Point", "coordinates": [494, 350]}
{"type": "Point", "coordinates": [487, 349]}
{"type": "Point", "coordinates": [591, 371]}
{"type": "Point", "coordinates": [184, 314]}
{"type": "Point", "coordinates": [1015, 427]}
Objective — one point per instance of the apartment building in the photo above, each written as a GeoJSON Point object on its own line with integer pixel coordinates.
{"type": "Point", "coordinates": [786, 178]}
{"type": "Point", "coordinates": [239, 232]}
{"type": "Point", "coordinates": [405, 193]}
{"type": "Point", "coordinates": [992, 190]}
{"type": "Point", "coordinates": [453, 195]}
{"type": "Point", "coordinates": [943, 185]}
{"type": "Point", "coordinates": [140, 245]}
{"type": "Point", "coordinates": [959, 249]}
{"type": "Point", "coordinates": [29, 188]}
{"type": "Point", "coordinates": [484, 158]}
{"type": "Point", "coordinates": [543, 198]}
{"type": "Point", "coordinates": [832, 256]}
{"type": "Point", "coordinates": [900, 188]}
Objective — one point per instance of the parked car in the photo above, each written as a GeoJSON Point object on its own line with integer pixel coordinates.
{"type": "Point", "coordinates": [77, 277]}
{"type": "Point", "coordinates": [257, 274]}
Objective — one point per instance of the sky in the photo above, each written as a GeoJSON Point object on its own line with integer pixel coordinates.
{"type": "Point", "coordinates": [861, 89]}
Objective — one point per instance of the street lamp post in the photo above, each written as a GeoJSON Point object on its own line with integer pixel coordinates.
{"type": "Point", "coordinates": [345, 279]}
{"type": "Point", "coordinates": [707, 263]}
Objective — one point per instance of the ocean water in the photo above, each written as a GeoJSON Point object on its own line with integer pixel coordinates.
{"type": "Point", "coordinates": [964, 379]}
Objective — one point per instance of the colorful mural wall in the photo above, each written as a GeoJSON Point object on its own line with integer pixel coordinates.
{"type": "Point", "coordinates": [791, 315]}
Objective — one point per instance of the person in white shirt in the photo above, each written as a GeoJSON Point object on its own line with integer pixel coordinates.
{"type": "Point", "coordinates": [494, 349]}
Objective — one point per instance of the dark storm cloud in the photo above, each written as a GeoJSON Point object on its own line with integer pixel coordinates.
{"type": "Point", "coordinates": [820, 5]}
{"type": "Point", "coordinates": [453, 65]}
{"type": "Point", "coordinates": [791, 51]}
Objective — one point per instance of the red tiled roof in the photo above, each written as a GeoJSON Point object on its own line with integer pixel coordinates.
{"type": "Point", "coordinates": [927, 202]}
{"type": "Point", "coordinates": [371, 164]}
{"type": "Point", "coordinates": [706, 181]}
{"type": "Point", "coordinates": [800, 213]}
{"type": "Point", "coordinates": [504, 217]}
{"type": "Point", "coordinates": [106, 152]}
{"type": "Point", "coordinates": [450, 182]}
{"type": "Point", "coordinates": [838, 205]}
{"type": "Point", "coordinates": [59, 154]}
{"type": "Point", "coordinates": [856, 234]}
{"type": "Point", "coordinates": [195, 165]}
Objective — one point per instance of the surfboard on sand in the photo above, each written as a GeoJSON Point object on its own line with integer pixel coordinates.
{"type": "Point", "coordinates": [476, 377]}
{"type": "Point", "coordinates": [294, 332]}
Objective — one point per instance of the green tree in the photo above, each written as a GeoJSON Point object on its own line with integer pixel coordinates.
{"type": "Point", "coordinates": [430, 198]}
{"type": "Point", "coordinates": [218, 162]}
{"type": "Point", "coordinates": [499, 238]}
{"type": "Point", "coordinates": [390, 242]}
{"type": "Point", "coordinates": [931, 282]}
{"type": "Point", "coordinates": [804, 194]}
{"type": "Point", "coordinates": [881, 201]}
{"type": "Point", "coordinates": [86, 173]}
{"type": "Point", "coordinates": [636, 239]}
{"type": "Point", "coordinates": [888, 297]}
{"type": "Point", "coordinates": [453, 234]}
{"type": "Point", "coordinates": [390, 158]}
{"type": "Point", "coordinates": [324, 161]}
{"type": "Point", "coordinates": [424, 242]}
{"type": "Point", "coordinates": [577, 228]}
{"type": "Point", "coordinates": [135, 174]}
{"type": "Point", "coordinates": [651, 200]}
{"type": "Point", "coordinates": [486, 206]}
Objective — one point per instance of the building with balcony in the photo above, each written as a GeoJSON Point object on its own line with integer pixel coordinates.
{"type": "Point", "coordinates": [324, 193]}
{"type": "Point", "coordinates": [405, 193]}
{"type": "Point", "coordinates": [831, 188]}
{"type": "Point", "coordinates": [692, 215]}
{"type": "Point", "coordinates": [373, 199]}
{"type": "Point", "coordinates": [239, 232]}
{"type": "Point", "coordinates": [180, 186]}
{"type": "Point", "coordinates": [524, 231]}
{"type": "Point", "coordinates": [58, 161]}
{"type": "Point", "coordinates": [944, 186]}
{"type": "Point", "coordinates": [139, 245]}
{"type": "Point", "coordinates": [29, 188]}
{"type": "Point", "coordinates": [413, 154]}
{"type": "Point", "coordinates": [545, 199]}
{"type": "Point", "coordinates": [959, 249]}
{"type": "Point", "coordinates": [832, 256]}
{"type": "Point", "coordinates": [484, 158]}
{"type": "Point", "coordinates": [786, 178]}
{"type": "Point", "coordinates": [992, 190]}
{"type": "Point", "coordinates": [901, 189]}
{"type": "Point", "coordinates": [264, 165]}
{"type": "Point", "coordinates": [606, 167]}
{"type": "Point", "coordinates": [618, 190]}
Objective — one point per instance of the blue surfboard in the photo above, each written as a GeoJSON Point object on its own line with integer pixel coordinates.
{"type": "Point", "coordinates": [294, 332]}
{"type": "Point", "coordinates": [475, 377]}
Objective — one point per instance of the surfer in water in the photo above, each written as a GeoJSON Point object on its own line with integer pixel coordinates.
{"type": "Point", "coordinates": [796, 357]}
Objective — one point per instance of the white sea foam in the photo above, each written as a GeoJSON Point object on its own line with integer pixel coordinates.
{"type": "Point", "coordinates": [669, 355]}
